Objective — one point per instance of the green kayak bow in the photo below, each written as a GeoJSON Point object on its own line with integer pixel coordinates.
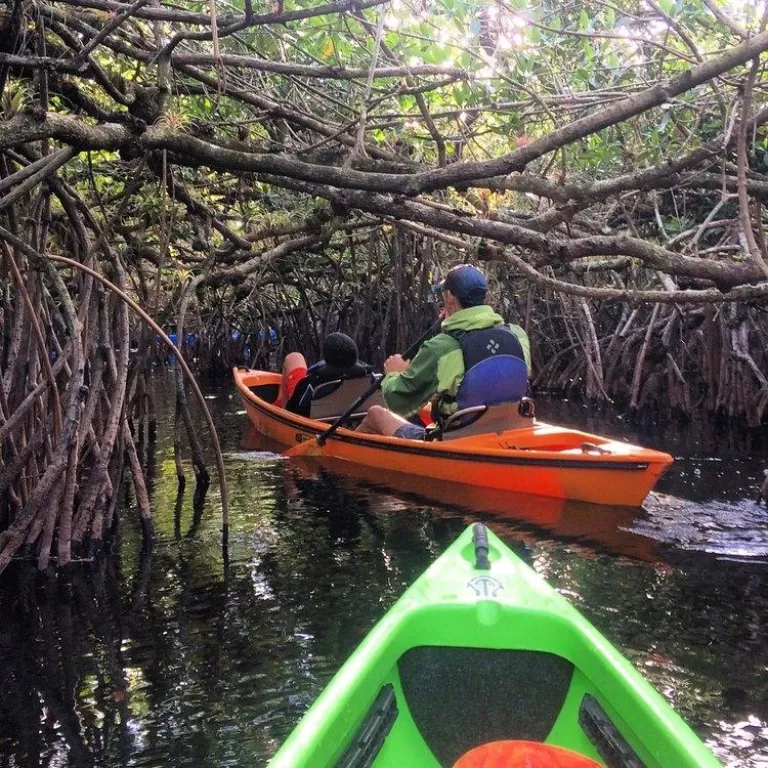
{"type": "Point", "coordinates": [479, 650]}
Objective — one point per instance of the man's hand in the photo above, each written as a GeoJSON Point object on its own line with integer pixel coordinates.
{"type": "Point", "coordinates": [396, 364]}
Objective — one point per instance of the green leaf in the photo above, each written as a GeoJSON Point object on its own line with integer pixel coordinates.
{"type": "Point", "coordinates": [582, 75]}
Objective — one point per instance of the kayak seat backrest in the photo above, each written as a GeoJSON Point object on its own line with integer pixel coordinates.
{"type": "Point", "coordinates": [495, 380]}
{"type": "Point", "coordinates": [331, 398]}
{"type": "Point", "coordinates": [482, 420]}
{"type": "Point", "coordinates": [460, 697]}
{"type": "Point", "coordinates": [488, 398]}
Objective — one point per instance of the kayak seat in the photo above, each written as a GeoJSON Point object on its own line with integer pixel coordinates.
{"type": "Point", "coordinates": [489, 399]}
{"type": "Point", "coordinates": [484, 419]}
{"type": "Point", "coordinates": [331, 398]}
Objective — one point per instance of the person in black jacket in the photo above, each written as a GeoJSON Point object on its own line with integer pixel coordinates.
{"type": "Point", "coordinates": [339, 362]}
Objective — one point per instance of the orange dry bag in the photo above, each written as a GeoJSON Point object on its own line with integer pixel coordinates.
{"type": "Point", "coordinates": [523, 754]}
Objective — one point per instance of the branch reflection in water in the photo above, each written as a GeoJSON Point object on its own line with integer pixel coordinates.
{"type": "Point", "coordinates": [167, 658]}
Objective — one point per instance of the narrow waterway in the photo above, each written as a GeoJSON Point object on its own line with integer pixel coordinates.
{"type": "Point", "coordinates": [169, 658]}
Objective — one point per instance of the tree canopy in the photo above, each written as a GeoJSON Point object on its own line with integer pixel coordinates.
{"type": "Point", "coordinates": [555, 137]}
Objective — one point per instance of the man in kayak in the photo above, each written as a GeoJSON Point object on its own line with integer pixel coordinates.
{"type": "Point", "coordinates": [298, 382]}
{"type": "Point", "coordinates": [438, 367]}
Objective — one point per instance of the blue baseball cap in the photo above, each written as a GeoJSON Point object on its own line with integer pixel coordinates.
{"type": "Point", "coordinates": [467, 283]}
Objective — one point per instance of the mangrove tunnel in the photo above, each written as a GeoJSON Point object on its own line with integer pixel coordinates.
{"type": "Point", "coordinates": [240, 179]}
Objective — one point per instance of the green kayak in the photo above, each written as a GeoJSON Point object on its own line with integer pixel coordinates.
{"type": "Point", "coordinates": [482, 651]}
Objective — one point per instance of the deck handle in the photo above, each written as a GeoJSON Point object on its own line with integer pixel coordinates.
{"type": "Point", "coordinates": [480, 539]}
{"type": "Point", "coordinates": [370, 736]}
{"type": "Point", "coordinates": [610, 744]}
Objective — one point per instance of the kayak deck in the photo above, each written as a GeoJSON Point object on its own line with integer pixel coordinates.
{"type": "Point", "coordinates": [539, 459]}
{"type": "Point", "coordinates": [469, 656]}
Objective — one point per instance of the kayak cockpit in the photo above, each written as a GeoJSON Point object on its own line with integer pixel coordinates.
{"type": "Point", "coordinates": [442, 703]}
{"type": "Point", "coordinates": [439, 701]}
{"type": "Point", "coordinates": [481, 652]}
{"type": "Point", "coordinates": [331, 399]}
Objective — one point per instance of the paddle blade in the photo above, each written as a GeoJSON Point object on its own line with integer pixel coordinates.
{"type": "Point", "coordinates": [308, 448]}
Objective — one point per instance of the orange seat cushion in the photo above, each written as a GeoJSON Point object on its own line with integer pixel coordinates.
{"type": "Point", "coordinates": [523, 754]}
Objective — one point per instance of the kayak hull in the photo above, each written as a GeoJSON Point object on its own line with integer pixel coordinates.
{"type": "Point", "coordinates": [541, 459]}
{"type": "Point", "coordinates": [470, 656]}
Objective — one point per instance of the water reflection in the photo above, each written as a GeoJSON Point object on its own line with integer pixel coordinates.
{"type": "Point", "coordinates": [697, 631]}
{"type": "Point", "coordinates": [63, 700]}
{"type": "Point", "coordinates": [522, 516]}
{"type": "Point", "coordinates": [169, 658]}
{"type": "Point", "coordinates": [732, 530]}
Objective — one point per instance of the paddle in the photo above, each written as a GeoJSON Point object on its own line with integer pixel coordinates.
{"type": "Point", "coordinates": [312, 447]}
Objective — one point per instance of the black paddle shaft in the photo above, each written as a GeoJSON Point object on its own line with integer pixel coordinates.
{"type": "Point", "coordinates": [410, 352]}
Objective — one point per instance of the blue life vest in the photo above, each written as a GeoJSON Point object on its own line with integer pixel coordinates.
{"type": "Point", "coordinates": [495, 368]}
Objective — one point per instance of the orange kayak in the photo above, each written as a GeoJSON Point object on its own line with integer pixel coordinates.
{"type": "Point", "coordinates": [538, 459]}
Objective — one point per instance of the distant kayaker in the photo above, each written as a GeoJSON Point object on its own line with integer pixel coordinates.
{"type": "Point", "coordinates": [298, 381]}
{"type": "Point", "coordinates": [438, 367]}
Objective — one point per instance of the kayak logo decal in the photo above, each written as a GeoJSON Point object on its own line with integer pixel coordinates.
{"type": "Point", "coordinates": [485, 586]}
{"type": "Point", "coordinates": [301, 437]}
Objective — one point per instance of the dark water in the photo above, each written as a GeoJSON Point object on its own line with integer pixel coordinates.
{"type": "Point", "coordinates": [169, 658]}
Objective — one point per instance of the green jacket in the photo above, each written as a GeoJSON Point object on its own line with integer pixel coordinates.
{"type": "Point", "coordinates": [438, 367]}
